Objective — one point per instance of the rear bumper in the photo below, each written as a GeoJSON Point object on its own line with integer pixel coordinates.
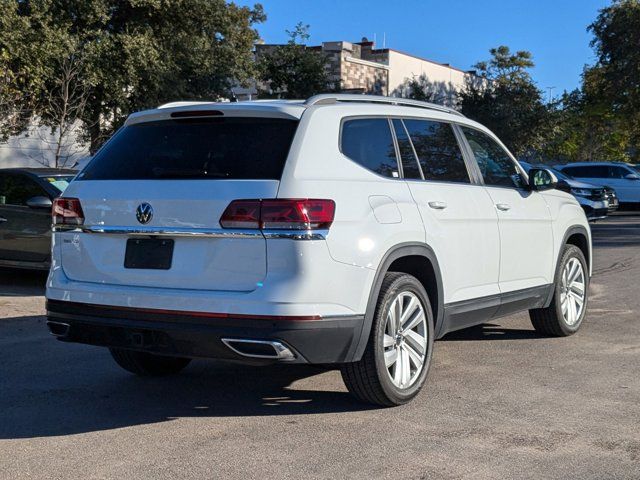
{"type": "Point", "coordinates": [192, 334]}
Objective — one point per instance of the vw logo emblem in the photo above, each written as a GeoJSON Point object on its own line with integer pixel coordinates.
{"type": "Point", "coordinates": [144, 213]}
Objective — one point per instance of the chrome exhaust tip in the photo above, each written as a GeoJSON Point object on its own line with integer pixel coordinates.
{"type": "Point", "coordinates": [58, 329]}
{"type": "Point", "coordinates": [270, 349]}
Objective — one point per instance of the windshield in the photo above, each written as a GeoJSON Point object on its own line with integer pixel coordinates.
{"type": "Point", "coordinates": [207, 148]}
{"type": "Point", "coordinates": [561, 175]}
{"type": "Point", "coordinates": [60, 182]}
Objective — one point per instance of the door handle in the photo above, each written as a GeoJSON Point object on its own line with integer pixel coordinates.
{"type": "Point", "coordinates": [438, 205]}
{"type": "Point", "coordinates": [503, 206]}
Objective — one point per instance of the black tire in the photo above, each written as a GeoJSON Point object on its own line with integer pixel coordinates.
{"type": "Point", "coordinates": [148, 364]}
{"type": "Point", "coordinates": [550, 321]}
{"type": "Point", "coordinates": [368, 379]}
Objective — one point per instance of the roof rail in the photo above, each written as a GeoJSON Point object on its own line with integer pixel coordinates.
{"type": "Point", "coordinates": [330, 98]}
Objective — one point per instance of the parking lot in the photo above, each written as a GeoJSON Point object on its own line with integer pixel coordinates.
{"type": "Point", "coordinates": [501, 402]}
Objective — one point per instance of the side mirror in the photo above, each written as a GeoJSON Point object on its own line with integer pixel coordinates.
{"type": "Point", "coordinates": [632, 176]}
{"type": "Point", "coordinates": [39, 202]}
{"type": "Point", "coordinates": [542, 179]}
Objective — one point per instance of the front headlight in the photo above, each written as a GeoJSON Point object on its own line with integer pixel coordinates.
{"type": "Point", "coordinates": [581, 192]}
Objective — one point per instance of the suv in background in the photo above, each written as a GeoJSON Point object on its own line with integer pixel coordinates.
{"type": "Point", "coordinates": [345, 229]}
{"type": "Point", "coordinates": [597, 202]}
{"type": "Point", "coordinates": [623, 178]}
{"type": "Point", "coordinates": [26, 196]}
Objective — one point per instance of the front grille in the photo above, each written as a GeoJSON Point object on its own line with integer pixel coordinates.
{"type": "Point", "coordinates": [597, 194]}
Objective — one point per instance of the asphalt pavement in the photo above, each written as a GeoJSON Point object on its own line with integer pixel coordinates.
{"type": "Point", "coordinates": [500, 402]}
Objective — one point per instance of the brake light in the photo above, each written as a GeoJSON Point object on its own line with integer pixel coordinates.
{"type": "Point", "coordinates": [279, 214]}
{"type": "Point", "coordinates": [67, 211]}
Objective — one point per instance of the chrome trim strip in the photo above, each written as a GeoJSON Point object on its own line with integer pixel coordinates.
{"type": "Point", "coordinates": [159, 231]}
{"type": "Point", "coordinates": [296, 234]}
{"type": "Point", "coordinates": [194, 232]}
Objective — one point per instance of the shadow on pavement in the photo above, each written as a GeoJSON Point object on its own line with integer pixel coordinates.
{"type": "Point", "coordinates": [51, 388]}
{"type": "Point", "coordinates": [491, 331]}
{"type": "Point", "coordinates": [21, 283]}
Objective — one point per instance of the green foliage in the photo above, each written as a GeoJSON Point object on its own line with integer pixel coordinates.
{"type": "Point", "coordinates": [423, 89]}
{"type": "Point", "coordinates": [615, 79]}
{"type": "Point", "coordinates": [293, 70]}
{"type": "Point", "coordinates": [505, 99]}
{"type": "Point", "coordinates": [135, 54]}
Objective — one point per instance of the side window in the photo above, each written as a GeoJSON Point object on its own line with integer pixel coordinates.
{"type": "Point", "coordinates": [410, 167]}
{"type": "Point", "coordinates": [438, 151]}
{"type": "Point", "coordinates": [496, 166]}
{"type": "Point", "coordinates": [594, 171]}
{"type": "Point", "coordinates": [368, 142]}
{"type": "Point", "coordinates": [17, 189]}
{"type": "Point", "coordinates": [618, 172]}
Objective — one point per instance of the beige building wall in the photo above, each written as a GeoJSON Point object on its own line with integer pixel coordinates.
{"type": "Point", "coordinates": [446, 80]}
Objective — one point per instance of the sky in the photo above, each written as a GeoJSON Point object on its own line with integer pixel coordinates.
{"type": "Point", "coordinates": [459, 32]}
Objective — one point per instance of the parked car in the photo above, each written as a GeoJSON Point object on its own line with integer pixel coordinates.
{"type": "Point", "coordinates": [619, 176]}
{"type": "Point", "coordinates": [597, 202]}
{"type": "Point", "coordinates": [345, 229]}
{"type": "Point", "coordinates": [26, 196]}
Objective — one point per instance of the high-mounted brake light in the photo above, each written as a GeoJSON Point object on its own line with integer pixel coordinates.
{"type": "Point", "coordinates": [67, 211]}
{"type": "Point", "coordinates": [279, 214]}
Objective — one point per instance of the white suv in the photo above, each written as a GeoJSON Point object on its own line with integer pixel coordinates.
{"type": "Point", "coordinates": [346, 230]}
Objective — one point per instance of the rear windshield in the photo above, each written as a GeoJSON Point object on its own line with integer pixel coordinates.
{"type": "Point", "coordinates": [212, 148]}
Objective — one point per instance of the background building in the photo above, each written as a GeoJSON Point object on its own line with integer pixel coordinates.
{"type": "Point", "coordinates": [361, 68]}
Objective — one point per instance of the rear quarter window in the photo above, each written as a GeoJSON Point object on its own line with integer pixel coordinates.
{"type": "Point", "coordinates": [368, 142]}
{"type": "Point", "coordinates": [203, 148]}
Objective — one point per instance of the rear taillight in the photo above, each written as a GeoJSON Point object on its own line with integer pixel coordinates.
{"type": "Point", "coordinates": [279, 214]}
{"type": "Point", "coordinates": [67, 211]}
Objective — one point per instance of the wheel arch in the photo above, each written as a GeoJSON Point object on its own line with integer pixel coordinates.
{"type": "Point", "coordinates": [579, 236]}
{"type": "Point", "coordinates": [417, 259]}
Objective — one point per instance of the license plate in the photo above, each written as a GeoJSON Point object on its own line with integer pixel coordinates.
{"type": "Point", "coordinates": [149, 253]}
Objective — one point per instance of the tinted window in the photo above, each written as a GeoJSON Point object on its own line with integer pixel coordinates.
{"type": "Point", "coordinates": [592, 171]}
{"type": "Point", "coordinates": [618, 172]}
{"type": "Point", "coordinates": [17, 189]}
{"type": "Point", "coordinates": [216, 148]}
{"type": "Point", "coordinates": [438, 151]}
{"type": "Point", "coordinates": [410, 167]}
{"type": "Point", "coordinates": [496, 166]}
{"type": "Point", "coordinates": [368, 142]}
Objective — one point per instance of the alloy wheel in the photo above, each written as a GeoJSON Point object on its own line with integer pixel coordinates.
{"type": "Point", "coordinates": [405, 339]}
{"type": "Point", "coordinates": [572, 291]}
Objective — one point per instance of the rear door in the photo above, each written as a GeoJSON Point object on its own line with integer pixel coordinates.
{"type": "Point", "coordinates": [524, 220]}
{"type": "Point", "coordinates": [460, 221]}
{"type": "Point", "coordinates": [172, 180]}
{"type": "Point", "coordinates": [25, 233]}
{"type": "Point", "coordinates": [628, 190]}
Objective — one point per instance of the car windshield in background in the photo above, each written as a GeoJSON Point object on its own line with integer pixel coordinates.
{"type": "Point", "coordinates": [60, 182]}
{"type": "Point", "coordinates": [561, 175]}
{"type": "Point", "coordinates": [211, 148]}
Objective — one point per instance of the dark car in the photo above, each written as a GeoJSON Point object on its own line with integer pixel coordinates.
{"type": "Point", "coordinates": [596, 201]}
{"type": "Point", "coordinates": [25, 214]}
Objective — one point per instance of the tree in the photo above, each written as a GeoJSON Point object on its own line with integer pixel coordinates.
{"type": "Point", "coordinates": [423, 89]}
{"type": "Point", "coordinates": [136, 54]}
{"type": "Point", "coordinates": [615, 79]}
{"type": "Point", "coordinates": [62, 112]}
{"type": "Point", "coordinates": [505, 99]}
{"type": "Point", "coordinates": [293, 70]}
